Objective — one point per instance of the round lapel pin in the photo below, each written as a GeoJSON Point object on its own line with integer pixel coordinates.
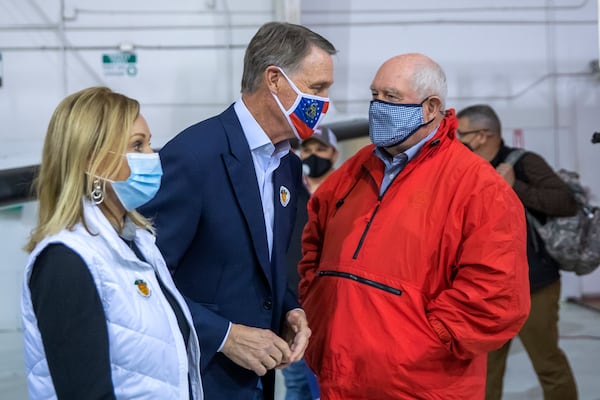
{"type": "Point", "coordinates": [284, 196]}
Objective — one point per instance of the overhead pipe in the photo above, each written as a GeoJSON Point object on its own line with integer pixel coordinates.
{"type": "Point", "coordinates": [35, 27]}
{"type": "Point", "coordinates": [328, 24]}
{"type": "Point", "coordinates": [349, 129]}
{"type": "Point", "coordinates": [16, 185]}
{"type": "Point", "coordinates": [64, 41]}
{"type": "Point", "coordinates": [78, 11]}
{"type": "Point", "coordinates": [552, 67]}
{"type": "Point", "coordinates": [118, 47]}
{"type": "Point", "coordinates": [229, 55]}
{"type": "Point", "coordinates": [450, 10]}
{"type": "Point", "coordinates": [358, 24]}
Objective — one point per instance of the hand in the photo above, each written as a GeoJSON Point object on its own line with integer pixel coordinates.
{"type": "Point", "coordinates": [296, 332]}
{"type": "Point", "coordinates": [255, 349]}
{"type": "Point", "coordinates": [507, 172]}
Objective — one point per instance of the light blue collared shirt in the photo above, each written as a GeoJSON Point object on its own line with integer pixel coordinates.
{"type": "Point", "coordinates": [394, 165]}
{"type": "Point", "coordinates": [266, 158]}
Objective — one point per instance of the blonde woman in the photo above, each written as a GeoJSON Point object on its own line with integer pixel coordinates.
{"type": "Point", "coordinates": [102, 318]}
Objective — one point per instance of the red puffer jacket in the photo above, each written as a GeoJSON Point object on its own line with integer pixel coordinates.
{"type": "Point", "coordinates": [406, 293]}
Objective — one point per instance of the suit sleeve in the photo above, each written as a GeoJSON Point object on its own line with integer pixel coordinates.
{"type": "Point", "coordinates": [489, 299]}
{"type": "Point", "coordinates": [176, 212]}
{"type": "Point", "coordinates": [211, 329]}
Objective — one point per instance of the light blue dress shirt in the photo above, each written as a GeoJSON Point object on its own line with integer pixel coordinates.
{"type": "Point", "coordinates": [394, 165]}
{"type": "Point", "coordinates": [266, 157]}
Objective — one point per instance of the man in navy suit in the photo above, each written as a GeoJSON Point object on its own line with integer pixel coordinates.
{"type": "Point", "coordinates": [226, 209]}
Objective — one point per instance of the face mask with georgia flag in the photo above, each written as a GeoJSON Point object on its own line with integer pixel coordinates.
{"type": "Point", "coordinates": [306, 113]}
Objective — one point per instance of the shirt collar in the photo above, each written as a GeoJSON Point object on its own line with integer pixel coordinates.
{"type": "Point", "coordinates": [255, 135]}
{"type": "Point", "coordinates": [411, 152]}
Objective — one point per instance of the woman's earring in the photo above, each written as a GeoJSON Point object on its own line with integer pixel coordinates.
{"type": "Point", "coordinates": [97, 193]}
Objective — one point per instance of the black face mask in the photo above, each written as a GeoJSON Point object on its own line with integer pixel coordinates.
{"type": "Point", "coordinates": [315, 166]}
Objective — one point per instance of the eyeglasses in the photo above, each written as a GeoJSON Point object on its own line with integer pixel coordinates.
{"type": "Point", "coordinates": [463, 134]}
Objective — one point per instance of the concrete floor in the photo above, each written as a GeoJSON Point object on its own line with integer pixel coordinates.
{"type": "Point", "coordinates": [580, 339]}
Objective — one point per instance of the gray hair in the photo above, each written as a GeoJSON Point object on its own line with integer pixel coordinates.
{"type": "Point", "coordinates": [429, 79]}
{"type": "Point", "coordinates": [483, 114]}
{"type": "Point", "coordinates": [281, 44]}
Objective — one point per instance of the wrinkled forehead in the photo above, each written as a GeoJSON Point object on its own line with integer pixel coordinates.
{"type": "Point", "coordinates": [394, 77]}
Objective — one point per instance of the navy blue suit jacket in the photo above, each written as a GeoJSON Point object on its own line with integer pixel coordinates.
{"type": "Point", "coordinates": [211, 231]}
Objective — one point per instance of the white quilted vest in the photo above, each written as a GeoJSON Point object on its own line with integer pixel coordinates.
{"type": "Point", "coordinates": [147, 353]}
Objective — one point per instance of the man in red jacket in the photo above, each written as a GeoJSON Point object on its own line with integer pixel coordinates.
{"type": "Point", "coordinates": [414, 255]}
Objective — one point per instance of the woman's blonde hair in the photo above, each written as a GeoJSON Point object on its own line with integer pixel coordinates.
{"type": "Point", "coordinates": [87, 135]}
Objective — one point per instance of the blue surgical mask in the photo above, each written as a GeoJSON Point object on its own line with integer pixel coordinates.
{"type": "Point", "coordinates": [391, 124]}
{"type": "Point", "coordinates": [143, 182]}
{"type": "Point", "coordinates": [306, 113]}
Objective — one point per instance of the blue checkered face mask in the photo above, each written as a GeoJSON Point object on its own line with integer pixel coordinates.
{"type": "Point", "coordinates": [391, 124]}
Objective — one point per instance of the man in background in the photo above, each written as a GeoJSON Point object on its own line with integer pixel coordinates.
{"type": "Point", "coordinates": [544, 195]}
{"type": "Point", "coordinates": [318, 153]}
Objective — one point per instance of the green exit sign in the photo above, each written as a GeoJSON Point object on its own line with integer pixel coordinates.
{"type": "Point", "coordinates": [119, 64]}
{"type": "Point", "coordinates": [119, 58]}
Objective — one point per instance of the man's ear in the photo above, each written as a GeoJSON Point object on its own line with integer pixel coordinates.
{"type": "Point", "coordinates": [272, 77]}
{"type": "Point", "coordinates": [432, 107]}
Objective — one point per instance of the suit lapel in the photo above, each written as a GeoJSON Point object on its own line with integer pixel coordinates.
{"type": "Point", "coordinates": [240, 168]}
{"type": "Point", "coordinates": [284, 202]}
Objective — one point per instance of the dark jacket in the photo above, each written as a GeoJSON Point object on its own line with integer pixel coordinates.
{"type": "Point", "coordinates": [211, 230]}
{"type": "Point", "coordinates": [294, 253]}
{"type": "Point", "coordinates": [544, 195]}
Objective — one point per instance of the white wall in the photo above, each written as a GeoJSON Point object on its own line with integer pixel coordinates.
{"type": "Point", "coordinates": [189, 60]}
{"type": "Point", "coordinates": [189, 67]}
{"type": "Point", "coordinates": [529, 59]}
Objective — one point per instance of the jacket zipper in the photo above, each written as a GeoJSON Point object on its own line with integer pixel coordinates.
{"type": "Point", "coordinates": [364, 234]}
{"type": "Point", "coordinates": [359, 279]}
{"type": "Point", "coordinates": [340, 202]}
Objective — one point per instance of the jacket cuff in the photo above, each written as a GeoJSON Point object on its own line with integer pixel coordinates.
{"type": "Point", "coordinates": [440, 330]}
